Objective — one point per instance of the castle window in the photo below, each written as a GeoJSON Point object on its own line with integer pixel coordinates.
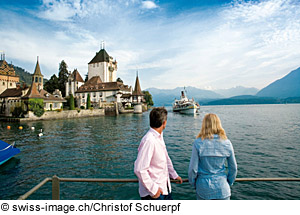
{"type": "Point", "coordinates": [36, 79]}
{"type": "Point", "coordinates": [93, 65]}
{"type": "Point", "coordinates": [10, 84]}
{"type": "Point", "coordinates": [40, 80]}
{"type": "Point", "coordinates": [97, 64]}
{"type": "Point", "coordinates": [3, 83]}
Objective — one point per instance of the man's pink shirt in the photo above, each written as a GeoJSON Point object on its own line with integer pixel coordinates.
{"type": "Point", "coordinates": [153, 165]}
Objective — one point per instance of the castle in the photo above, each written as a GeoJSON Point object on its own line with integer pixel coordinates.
{"type": "Point", "coordinates": [102, 86]}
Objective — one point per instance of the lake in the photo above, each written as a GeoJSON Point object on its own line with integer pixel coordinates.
{"type": "Point", "coordinates": [266, 140]}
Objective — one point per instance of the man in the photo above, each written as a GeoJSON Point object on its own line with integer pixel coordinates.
{"type": "Point", "coordinates": [153, 165]}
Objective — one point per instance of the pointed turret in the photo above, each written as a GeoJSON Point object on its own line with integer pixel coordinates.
{"type": "Point", "coordinates": [37, 78]}
{"type": "Point", "coordinates": [137, 88]}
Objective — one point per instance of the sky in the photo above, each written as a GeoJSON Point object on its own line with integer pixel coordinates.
{"type": "Point", "coordinates": [213, 44]}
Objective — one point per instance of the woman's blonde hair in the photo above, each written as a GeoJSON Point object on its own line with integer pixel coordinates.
{"type": "Point", "coordinates": [211, 125]}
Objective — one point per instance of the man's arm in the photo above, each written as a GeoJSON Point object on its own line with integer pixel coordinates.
{"type": "Point", "coordinates": [173, 174]}
{"type": "Point", "coordinates": [141, 167]}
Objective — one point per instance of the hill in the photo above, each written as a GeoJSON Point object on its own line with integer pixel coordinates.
{"type": "Point", "coordinates": [237, 91]}
{"type": "Point", "coordinates": [245, 100]}
{"type": "Point", "coordinates": [23, 74]}
{"type": "Point", "coordinates": [288, 86]}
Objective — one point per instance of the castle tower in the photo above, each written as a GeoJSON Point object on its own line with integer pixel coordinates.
{"type": "Point", "coordinates": [104, 66]}
{"type": "Point", "coordinates": [137, 93]}
{"type": "Point", "coordinates": [37, 77]}
{"type": "Point", "coordinates": [137, 96]}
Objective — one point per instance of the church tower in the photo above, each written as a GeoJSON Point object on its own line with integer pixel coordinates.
{"type": "Point", "coordinates": [37, 77]}
{"type": "Point", "coordinates": [104, 66]}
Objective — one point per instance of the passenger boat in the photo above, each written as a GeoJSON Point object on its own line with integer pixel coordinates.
{"type": "Point", "coordinates": [185, 105]}
{"type": "Point", "coordinates": [7, 151]}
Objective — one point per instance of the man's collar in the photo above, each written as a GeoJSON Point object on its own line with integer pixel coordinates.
{"type": "Point", "coordinates": [156, 133]}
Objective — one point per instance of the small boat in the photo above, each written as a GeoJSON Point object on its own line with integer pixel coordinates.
{"type": "Point", "coordinates": [7, 151]}
{"type": "Point", "coordinates": [185, 105]}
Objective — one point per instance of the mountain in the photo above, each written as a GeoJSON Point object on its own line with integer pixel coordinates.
{"type": "Point", "coordinates": [288, 86]}
{"type": "Point", "coordinates": [237, 91]}
{"type": "Point", "coordinates": [165, 97]}
{"type": "Point", "coordinates": [245, 100]}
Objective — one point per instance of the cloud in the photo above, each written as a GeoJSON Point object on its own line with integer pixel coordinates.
{"type": "Point", "coordinates": [148, 5]}
{"type": "Point", "coordinates": [59, 10]}
{"type": "Point", "coordinates": [244, 43]}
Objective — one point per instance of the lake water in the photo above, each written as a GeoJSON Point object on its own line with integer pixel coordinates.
{"type": "Point", "coordinates": [266, 140]}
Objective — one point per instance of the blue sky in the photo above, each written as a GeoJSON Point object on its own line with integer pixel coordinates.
{"type": "Point", "coordinates": [206, 44]}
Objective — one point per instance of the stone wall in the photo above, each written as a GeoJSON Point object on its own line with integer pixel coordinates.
{"type": "Point", "coordinates": [66, 114]}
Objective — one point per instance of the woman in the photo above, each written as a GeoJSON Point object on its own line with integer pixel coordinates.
{"type": "Point", "coordinates": [207, 172]}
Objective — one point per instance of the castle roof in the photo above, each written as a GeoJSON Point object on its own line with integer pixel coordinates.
{"type": "Point", "coordinates": [100, 56]}
{"type": "Point", "coordinates": [95, 85]}
{"type": "Point", "coordinates": [37, 70]}
{"type": "Point", "coordinates": [33, 92]}
{"type": "Point", "coordinates": [93, 81]}
{"type": "Point", "coordinates": [13, 92]}
{"type": "Point", "coordinates": [137, 89]}
{"type": "Point", "coordinates": [76, 75]}
{"type": "Point", "coordinates": [6, 69]}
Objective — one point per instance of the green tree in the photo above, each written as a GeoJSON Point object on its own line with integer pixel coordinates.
{"type": "Point", "coordinates": [63, 77]}
{"type": "Point", "coordinates": [148, 98]}
{"type": "Point", "coordinates": [36, 106]}
{"type": "Point", "coordinates": [72, 103]}
{"type": "Point", "coordinates": [52, 84]}
{"type": "Point", "coordinates": [88, 102]}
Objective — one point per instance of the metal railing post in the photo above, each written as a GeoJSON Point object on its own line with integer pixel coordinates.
{"type": "Point", "coordinates": [55, 188]}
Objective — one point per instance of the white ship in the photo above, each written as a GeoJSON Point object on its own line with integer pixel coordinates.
{"type": "Point", "coordinates": [185, 105]}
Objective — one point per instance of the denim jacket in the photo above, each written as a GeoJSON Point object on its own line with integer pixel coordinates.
{"type": "Point", "coordinates": [207, 171]}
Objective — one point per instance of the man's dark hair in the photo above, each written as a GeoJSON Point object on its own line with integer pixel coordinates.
{"type": "Point", "coordinates": [157, 117]}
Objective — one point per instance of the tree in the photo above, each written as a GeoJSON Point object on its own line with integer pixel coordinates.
{"type": "Point", "coordinates": [36, 106]}
{"type": "Point", "coordinates": [148, 98]}
{"type": "Point", "coordinates": [119, 80]}
{"type": "Point", "coordinates": [52, 84]}
{"type": "Point", "coordinates": [88, 102]}
{"type": "Point", "coordinates": [63, 77]}
{"type": "Point", "coordinates": [72, 103]}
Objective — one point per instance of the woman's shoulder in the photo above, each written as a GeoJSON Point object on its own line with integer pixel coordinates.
{"type": "Point", "coordinates": [198, 142]}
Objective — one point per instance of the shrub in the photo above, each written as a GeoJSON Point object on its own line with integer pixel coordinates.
{"type": "Point", "coordinates": [36, 106]}
{"type": "Point", "coordinates": [72, 103]}
{"type": "Point", "coordinates": [88, 103]}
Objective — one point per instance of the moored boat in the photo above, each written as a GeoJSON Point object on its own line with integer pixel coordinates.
{"type": "Point", "coordinates": [7, 151]}
{"type": "Point", "coordinates": [185, 105]}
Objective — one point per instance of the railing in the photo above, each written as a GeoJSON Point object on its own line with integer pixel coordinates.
{"type": "Point", "coordinates": [56, 183]}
